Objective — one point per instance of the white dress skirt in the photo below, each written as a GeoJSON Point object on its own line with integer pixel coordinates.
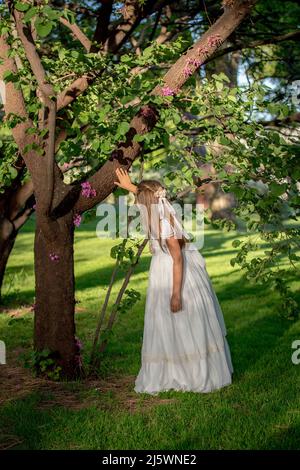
{"type": "Point", "coordinates": [186, 350]}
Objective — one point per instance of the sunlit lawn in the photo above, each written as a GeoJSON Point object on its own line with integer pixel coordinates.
{"type": "Point", "coordinates": [260, 410]}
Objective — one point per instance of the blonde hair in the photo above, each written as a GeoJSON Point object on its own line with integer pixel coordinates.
{"type": "Point", "coordinates": [145, 195]}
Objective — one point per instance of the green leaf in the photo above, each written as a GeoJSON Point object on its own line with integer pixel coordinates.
{"type": "Point", "coordinates": [8, 76]}
{"type": "Point", "coordinates": [61, 54]}
{"type": "Point", "coordinates": [43, 27]}
{"type": "Point", "coordinates": [224, 140]}
{"type": "Point", "coordinates": [51, 13]}
{"type": "Point", "coordinates": [123, 127]}
{"type": "Point", "coordinates": [277, 189]}
{"type": "Point", "coordinates": [13, 172]}
{"type": "Point", "coordinates": [221, 77]}
{"type": "Point", "coordinates": [138, 138]}
{"type": "Point", "coordinates": [125, 58]}
{"type": "Point", "coordinates": [69, 15]}
{"type": "Point", "coordinates": [30, 14]}
{"type": "Point", "coordinates": [21, 6]}
{"type": "Point", "coordinates": [95, 144]}
{"type": "Point", "coordinates": [219, 86]}
{"type": "Point", "coordinates": [148, 51]}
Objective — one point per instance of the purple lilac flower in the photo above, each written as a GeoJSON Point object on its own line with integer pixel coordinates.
{"type": "Point", "coordinates": [87, 190]}
{"type": "Point", "coordinates": [167, 91]}
{"type": "Point", "coordinates": [54, 257]}
{"type": "Point", "coordinates": [77, 220]}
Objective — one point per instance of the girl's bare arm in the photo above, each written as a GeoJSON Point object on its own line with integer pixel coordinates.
{"type": "Point", "coordinates": [175, 251]}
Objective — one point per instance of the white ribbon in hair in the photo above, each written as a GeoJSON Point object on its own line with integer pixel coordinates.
{"type": "Point", "coordinates": [162, 202]}
{"type": "Point", "coordinates": [165, 208]}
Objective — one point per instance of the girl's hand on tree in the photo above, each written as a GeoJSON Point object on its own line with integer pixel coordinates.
{"type": "Point", "coordinates": [176, 303]}
{"type": "Point", "coordinates": [124, 180]}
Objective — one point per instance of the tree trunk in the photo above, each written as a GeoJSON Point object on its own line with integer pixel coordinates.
{"type": "Point", "coordinates": [7, 240]}
{"type": "Point", "coordinates": [54, 326]}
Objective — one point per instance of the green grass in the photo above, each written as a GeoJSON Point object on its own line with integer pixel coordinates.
{"type": "Point", "coordinates": [260, 410]}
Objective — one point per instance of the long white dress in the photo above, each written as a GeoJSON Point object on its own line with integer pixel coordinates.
{"type": "Point", "coordinates": [186, 350]}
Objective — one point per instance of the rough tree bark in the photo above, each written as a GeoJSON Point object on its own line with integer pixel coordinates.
{"type": "Point", "coordinates": [54, 326]}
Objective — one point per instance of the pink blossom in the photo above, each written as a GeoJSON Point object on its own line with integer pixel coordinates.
{"type": "Point", "coordinates": [214, 40]}
{"type": "Point", "coordinates": [54, 257]}
{"type": "Point", "coordinates": [87, 190]}
{"type": "Point", "coordinates": [187, 71]}
{"type": "Point", "coordinates": [77, 220]}
{"type": "Point", "coordinates": [34, 206]}
{"type": "Point", "coordinates": [194, 62]}
{"type": "Point", "coordinates": [197, 62]}
{"type": "Point", "coordinates": [203, 50]}
{"type": "Point", "coordinates": [167, 91]}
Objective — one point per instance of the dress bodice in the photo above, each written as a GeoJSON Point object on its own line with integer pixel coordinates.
{"type": "Point", "coordinates": [167, 231]}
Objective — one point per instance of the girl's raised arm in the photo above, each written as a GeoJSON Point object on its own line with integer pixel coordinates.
{"type": "Point", "coordinates": [125, 181]}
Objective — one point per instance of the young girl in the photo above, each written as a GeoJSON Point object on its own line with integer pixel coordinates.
{"type": "Point", "coordinates": [184, 341]}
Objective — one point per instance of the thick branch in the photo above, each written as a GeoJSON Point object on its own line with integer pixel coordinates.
{"type": "Point", "coordinates": [131, 13]}
{"type": "Point", "coordinates": [189, 62]}
{"type": "Point", "coordinates": [14, 105]}
{"type": "Point", "coordinates": [238, 46]}
{"type": "Point", "coordinates": [44, 202]}
{"type": "Point", "coordinates": [77, 33]}
{"type": "Point", "coordinates": [24, 34]}
{"type": "Point", "coordinates": [72, 91]}
{"type": "Point", "coordinates": [102, 31]}
{"type": "Point", "coordinates": [103, 180]}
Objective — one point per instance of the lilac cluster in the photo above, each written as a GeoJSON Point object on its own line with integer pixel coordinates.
{"type": "Point", "coordinates": [214, 40]}
{"type": "Point", "coordinates": [77, 220]}
{"type": "Point", "coordinates": [87, 190]}
{"type": "Point", "coordinates": [54, 257]}
{"type": "Point", "coordinates": [191, 65]}
{"type": "Point", "coordinates": [167, 91]}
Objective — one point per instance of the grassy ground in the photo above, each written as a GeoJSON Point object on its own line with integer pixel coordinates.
{"type": "Point", "coordinates": [260, 410]}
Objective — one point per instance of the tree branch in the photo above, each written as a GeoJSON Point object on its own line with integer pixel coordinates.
{"type": "Point", "coordinates": [47, 94]}
{"type": "Point", "coordinates": [103, 180]}
{"type": "Point", "coordinates": [70, 93]}
{"type": "Point", "coordinates": [238, 46]}
{"type": "Point", "coordinates": [102, 27]}
{"type": "Point", "coordinates": [78, 33]}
